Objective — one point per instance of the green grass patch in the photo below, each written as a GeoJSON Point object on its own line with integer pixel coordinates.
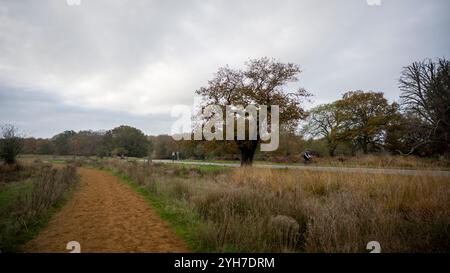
{"type": "Point", "coordinates": [213, 168]}
{"type": "Point", "coordinates": [58, 161]}
{"type": "Point", "coordinates": [207, 168]}
{"type": "Point", "coordinates": [12, 191]}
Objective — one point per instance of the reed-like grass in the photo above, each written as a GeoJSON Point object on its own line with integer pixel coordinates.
{"type": "Point", "coordinates": [267, 210]}
{"type": "Point", "coordinates": [28, 204]}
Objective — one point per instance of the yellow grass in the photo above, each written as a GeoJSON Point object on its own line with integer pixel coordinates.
{"type": "Point", "coordinates": [269, 210]}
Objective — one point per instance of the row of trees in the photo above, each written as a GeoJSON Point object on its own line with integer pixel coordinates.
{"type": "Point", "coordinates": [366, 121]}
{"type": "Point", "coordinates": [360, 120]}
{"type": "Point", "coordinates": [120, 141]}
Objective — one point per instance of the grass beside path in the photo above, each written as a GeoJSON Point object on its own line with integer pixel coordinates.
{"type": "Point", "coordinates": [26, 206]}
{"type": "Point", "coordinates": [177, 214]}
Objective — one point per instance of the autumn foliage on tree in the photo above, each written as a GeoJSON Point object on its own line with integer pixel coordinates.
{"type": "Point", "coordinates": [359, 120]}
{"type": "Point", "coordinates": [262, 82]}
{"type": "Point", "coordinates": [364, 117]}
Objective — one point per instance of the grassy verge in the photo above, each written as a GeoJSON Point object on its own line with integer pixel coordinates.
{"type": "Point", "coordinates": [27, 206]}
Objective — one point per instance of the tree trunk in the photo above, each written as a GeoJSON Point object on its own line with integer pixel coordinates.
{"type": "Point", "coordinates": [149, 156]}
{"type": "Point", "coordinates": [365, 150]}
{"type": "Point", "coordinates": [248, 149]}
{"type": "Point", "coordinates": [364, 146]}
{"type": "Point", "coordinates": [447, 150]}
{"type": "Point", "coordinates": [331, 150]}
{"type": "Point", "coordinates": [149, 159]}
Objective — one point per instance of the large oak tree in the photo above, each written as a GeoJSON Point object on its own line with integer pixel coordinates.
{"type": "Point", "coordinates": [262, 82]}
{"type": "Point", "coordinates": [365, 117]}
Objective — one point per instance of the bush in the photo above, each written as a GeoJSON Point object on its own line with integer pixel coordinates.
{"type": "Point", "coordinates": [10, 143]}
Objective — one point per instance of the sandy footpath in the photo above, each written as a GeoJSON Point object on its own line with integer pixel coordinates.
{"type": "Point", "coordinates": [105, 215]}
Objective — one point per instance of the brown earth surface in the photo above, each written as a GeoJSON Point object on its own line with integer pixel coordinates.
{"type": "Point", "coordinates": [106, 215]}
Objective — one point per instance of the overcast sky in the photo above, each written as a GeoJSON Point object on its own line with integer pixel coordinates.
{"type": "Point", "coordinates": [106, 63]}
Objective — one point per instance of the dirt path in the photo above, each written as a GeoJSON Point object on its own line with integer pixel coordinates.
{"type": "Point", "coordinates": [105, 215]}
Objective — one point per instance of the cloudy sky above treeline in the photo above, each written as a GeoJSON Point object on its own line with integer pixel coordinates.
{"type": "Point", "coordinates": [106, 63]}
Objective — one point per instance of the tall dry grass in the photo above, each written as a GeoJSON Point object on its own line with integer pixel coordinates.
{"type": "Point", "coordinates": [385, 161]}
{"type": "Point", "coordinates": [49, 187]}
{"type": "Point", "coordinates": [22, 218]}
{"type": "Point", "coordinates": [264, 210]}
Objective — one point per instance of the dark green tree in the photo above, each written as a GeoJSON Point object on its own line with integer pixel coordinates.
{"type": "Point", "coordinates": [11, 143]}
{"type": "Point", "coordinates": [62, 142]}
{"type": "Point", "coordinates": [129, 139]}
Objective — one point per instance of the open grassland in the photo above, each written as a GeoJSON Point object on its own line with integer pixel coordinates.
{"type": "Point", "coordinates": [265, 210]}
{"type": "Point", "coordinates": [29, 195]}
{"type": "Point", "coordinates": [220, 209]}
{"type": "Point", "coordinates": [385, 161]}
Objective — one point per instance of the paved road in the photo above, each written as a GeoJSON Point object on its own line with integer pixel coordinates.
{"type": "Point", "coordinates": [318, 168]}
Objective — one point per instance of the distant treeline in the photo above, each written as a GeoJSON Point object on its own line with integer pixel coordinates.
{"type": "Point", "coordinates": [120, 141]}
{"type": "Point", "coordinates": [129, 141]}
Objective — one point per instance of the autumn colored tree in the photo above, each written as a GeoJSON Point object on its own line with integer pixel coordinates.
{"type": "Point", "coordinates": [262, 82]}
{"type": "Point", "coordinates": [45, 146]}
{"type": "Point", "coordinates": [164, 146]}
{"type": "Point", "coordinates": [85, 143]}
{"type": "Point", "coordinates": [29, 145]}
{"type": "Point", "coordinates": [364, 117]}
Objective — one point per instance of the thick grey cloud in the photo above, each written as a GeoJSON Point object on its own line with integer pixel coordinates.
{"type": "Point", "coordinates": [106, 63]}
{"type": "Point", "coordinates": [37, 114]}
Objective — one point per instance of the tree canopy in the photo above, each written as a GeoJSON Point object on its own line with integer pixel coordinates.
{"type": "Point", "coordinates": [263, 82]}
{"type": "Point", "coordinates": [11, 143]}
{"type": "Point", "coordinates": [127, 140]}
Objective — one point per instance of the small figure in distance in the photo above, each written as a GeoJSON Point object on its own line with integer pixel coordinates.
{"type": "Point", "coordinates": [307, 157]}
{"type": "Point", "coordinates": [173, 156]}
